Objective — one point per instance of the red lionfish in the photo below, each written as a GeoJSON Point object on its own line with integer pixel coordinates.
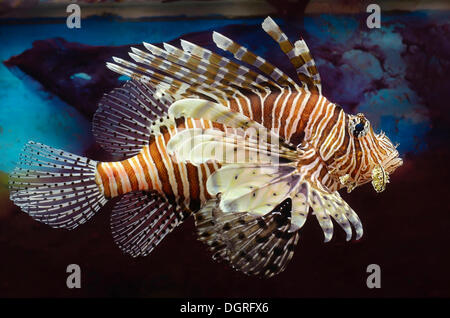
{"type": "Point", "coordinates": [178, 104]}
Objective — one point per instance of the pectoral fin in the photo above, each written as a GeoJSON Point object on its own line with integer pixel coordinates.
{"type": "Point", "coordinates": [255, 245]}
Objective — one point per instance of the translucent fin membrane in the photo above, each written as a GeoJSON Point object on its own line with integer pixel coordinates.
{"type": "Point", "coordinates": [141, 220]}
{"type": "Point", "coordinates": [255, 245]}
{"type": "Point", "coordinates": [122, 123]}
{"type": "Point", "coordinates": [55, 187]}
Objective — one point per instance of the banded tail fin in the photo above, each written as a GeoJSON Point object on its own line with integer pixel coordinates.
{"type": "Point", "coordinates": [55, 187]}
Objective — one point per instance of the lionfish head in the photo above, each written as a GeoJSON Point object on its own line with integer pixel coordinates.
{"type": "Point", "coordinates": [376, 155]}
{"type": "Point", "coordinates": [390, 161]}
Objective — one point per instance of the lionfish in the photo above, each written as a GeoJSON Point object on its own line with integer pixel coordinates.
{"type": "Point", "coordinates": [247, 150]}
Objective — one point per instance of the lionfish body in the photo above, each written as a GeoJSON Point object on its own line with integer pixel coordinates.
{"type": "Point", "coordinates": [250, 152]}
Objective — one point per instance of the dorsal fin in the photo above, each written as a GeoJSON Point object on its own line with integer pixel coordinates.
{"type": "Point", "coordinates": [299, 55]}
{"type": "Point", "coordinates": [217, 64]}
{"type": "Point", "coordinates": [197, 72]}
{"type": "Point", "coordinates": [213, 89]}
{"type": "Point", "coordinates": [165, 84]}
{"type": "Point", "coordinates": [124, 119]}
{"type": "Point", "coordinates": [220, 71]}
{"type": "Point", "coordinates": [188, 76]}
{"type": "Point", "coordinates": [243, 54]}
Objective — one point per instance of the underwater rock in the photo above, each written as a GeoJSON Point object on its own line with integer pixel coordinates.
{"type": "Point", "coordinates": [77, 73]}
{"type": "Point", "coordinates": [54, 62]}
{"type": "Point", "coordinates": [428, 66]}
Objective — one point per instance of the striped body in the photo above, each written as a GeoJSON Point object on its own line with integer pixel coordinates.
{"type": "Point", "coordinates": [154, 170]}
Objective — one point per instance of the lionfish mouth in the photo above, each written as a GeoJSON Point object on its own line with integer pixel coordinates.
{"type": "Point", "coordinates": [381, 172]}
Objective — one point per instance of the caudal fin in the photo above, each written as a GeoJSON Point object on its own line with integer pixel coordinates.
{"type": "Point", "coordinates": [55, 187]}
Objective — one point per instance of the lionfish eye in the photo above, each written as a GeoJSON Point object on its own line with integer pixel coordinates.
{"type": "Point", "coordinates": [359, 126]}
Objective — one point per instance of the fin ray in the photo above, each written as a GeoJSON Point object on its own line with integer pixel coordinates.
{"type": "Point", "coordinates": [260, 245]}
{"type": "Point", "coordinates": [140, 221]}
{"type": "Point", "coordinates": [299, 55]}
{"type": "Point", "coordinates": [243, 54]}
{"type": "Point", "coordinates": [123, 122]}
{"type": "Point", "coordinates": [55, 187]}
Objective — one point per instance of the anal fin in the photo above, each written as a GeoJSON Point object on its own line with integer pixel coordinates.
{"type": "Point", "coordinates": [140, 220]}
